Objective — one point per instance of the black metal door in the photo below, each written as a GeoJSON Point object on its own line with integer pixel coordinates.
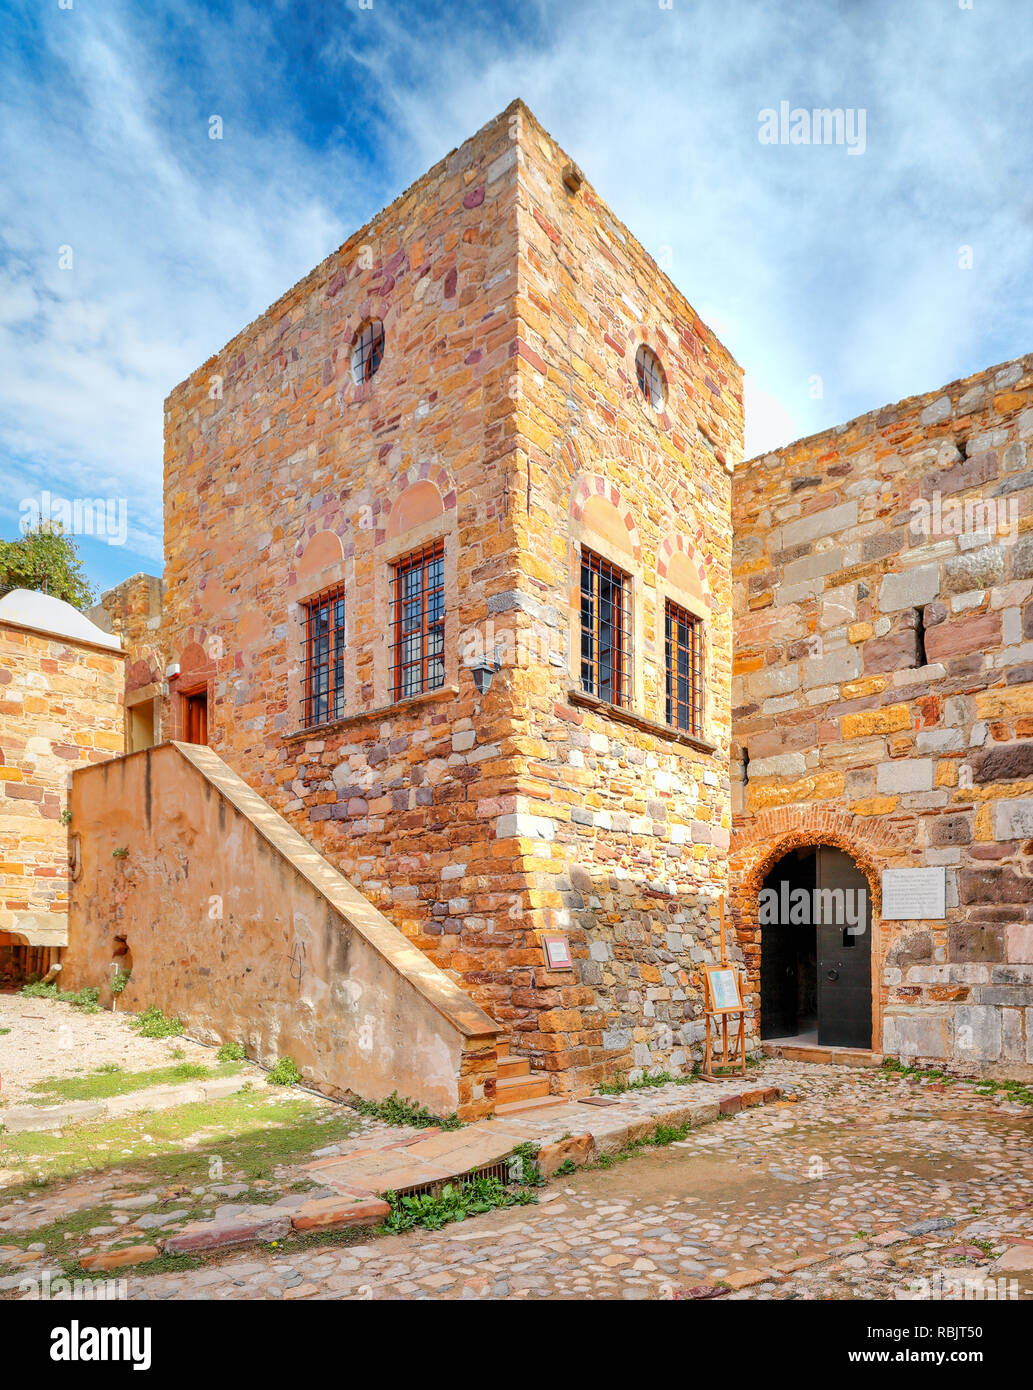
{"type": "Point", "coordinates": [844, 955]}
{"type": "Point", "coordinates": [778, 991]}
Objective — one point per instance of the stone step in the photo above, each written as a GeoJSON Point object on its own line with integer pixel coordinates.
{"type": "Point", "coordinates": [513, 1066]}
{"type": "Point", "coordinates": [527, 1087]}
{"type": "Point", "coordinates": [825, 1056]}
{"type": "Point", "coordinates": [530, 1107]}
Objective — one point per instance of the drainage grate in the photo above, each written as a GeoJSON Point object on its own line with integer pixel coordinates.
{"type": "Point", "coordinates": [505, 1170]}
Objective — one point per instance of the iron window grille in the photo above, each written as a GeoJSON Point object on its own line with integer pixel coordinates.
{"type": "Point", "coordinates": [650, 377]}
{"type": "Point", "coordinates": [323, 697]}
{"type": "Point", "coordinates": [367, 352]}
{"type": "Point", "coordinates": [418, 622]}
{"type": "Point", "coordinates": [605, 630]}
{"type": "Point", "coordinates": [683, 646]}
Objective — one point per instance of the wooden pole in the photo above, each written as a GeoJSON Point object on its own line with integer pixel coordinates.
{"type": "Point", "coordinates": [721, 907]}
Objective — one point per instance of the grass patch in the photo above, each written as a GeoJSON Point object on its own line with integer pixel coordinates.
{"type": "Point", "coordinates": [250, 1133]}
{"type": "Point", "coordinates": [455, 1202]}
{"type": "Point", "coordinates": [59, 1236]}
{"type": "Point", "coordinates": [110, 1080]}
{"type": "Point", "coordinates": [400, 1110]}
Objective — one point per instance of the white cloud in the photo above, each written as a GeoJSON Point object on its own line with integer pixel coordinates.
{"type": "Point", "coordinates": [812, 263]}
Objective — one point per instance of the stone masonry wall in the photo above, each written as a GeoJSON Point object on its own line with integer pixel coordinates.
{"type": "Point", "coordinates": [60, 709]}
{"type": "Point", "coordinates": [284, 478]}
{"type": "Point", "coordinates": [505, 422]}
{"type": "Point", "coordinates": [623, 828]}
{"type": "Point", "coordinates": [883, 694]}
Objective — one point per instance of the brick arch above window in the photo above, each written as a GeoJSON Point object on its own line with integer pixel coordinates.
{"type": "Point", "coordinates": [595, 502]}
{"type": "Point", "coordinates": [423, 492]}
{"type": "Point", "coordinates": [321, 551]}
{"type": "Point", "coordinates": [680, 563]}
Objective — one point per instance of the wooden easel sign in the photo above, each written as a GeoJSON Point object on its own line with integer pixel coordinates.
{"type": "Point", "coordinates": [722, 1000]}
{"type": "Point", "coordinates": [722, 983]}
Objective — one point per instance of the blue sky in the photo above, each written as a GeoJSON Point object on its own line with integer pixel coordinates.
{"type": "Point", "coordinates": [808, 261]}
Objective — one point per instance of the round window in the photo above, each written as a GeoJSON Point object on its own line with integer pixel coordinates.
{"type": "Point", "coordinates": [651, 380]}
{"type": "Point", "coordinates": [367, 351]}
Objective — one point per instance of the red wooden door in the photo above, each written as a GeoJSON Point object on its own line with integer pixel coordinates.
{"type": "Point", "coordinates": [195, 718]}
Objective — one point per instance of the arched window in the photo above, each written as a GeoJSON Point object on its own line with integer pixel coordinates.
{"type": "Point", "coordinates": [651, 380]}
{"type": "Point", "coordinates": [367, 351]}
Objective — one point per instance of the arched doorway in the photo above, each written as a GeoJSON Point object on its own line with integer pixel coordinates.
{"type": "Point", "coordinates": [814, 913]}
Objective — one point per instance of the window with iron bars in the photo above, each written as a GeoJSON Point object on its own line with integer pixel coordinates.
{"type": "Point", "coordinates": [605, 630]}
{"type": "Point", "coordinates": [418, 622]}
{"type": "Point", "coordinates": [683, 643]}
{"type": "Point", "coordinates": [367, 352]}
{"type": "Point", "coordinates": [323, 697]}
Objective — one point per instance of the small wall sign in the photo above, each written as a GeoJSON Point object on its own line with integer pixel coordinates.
{"type": "Point", "coordinates": [723, 985]}
{"type": "Point", "coordinates": [911, 895]}
{"type": "Point", "coordinates": [557, 951]}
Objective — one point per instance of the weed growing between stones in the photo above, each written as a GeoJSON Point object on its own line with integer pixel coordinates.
{"type": "Point", "coordinates": [455, 1202]}
{"type": "Point", "coordinates": [401, 1110]}
{"type": "Point", "coordinates": [84, 999]}
{"type": "Point", "coordinates": [1020, 1091]}
{"type": "Point", "coordinates": [285, 1073]}
{"type": "Point", "coordinates": [620, 1085]}
{"type": "Point", "coordinates": [152, 1023]}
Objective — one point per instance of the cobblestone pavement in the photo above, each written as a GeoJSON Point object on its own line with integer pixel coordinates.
{"type": "Point", "coordinates": [868, 1186]}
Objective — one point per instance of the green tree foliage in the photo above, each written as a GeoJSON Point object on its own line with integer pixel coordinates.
{"type": "Point", "coordinates": [47, 560]}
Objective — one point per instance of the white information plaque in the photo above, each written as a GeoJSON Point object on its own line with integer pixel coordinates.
{"type": "Point", "coordinates": [914, 894]}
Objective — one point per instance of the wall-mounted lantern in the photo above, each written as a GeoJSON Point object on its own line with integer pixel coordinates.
{"type": "Point", "coordinates": [483, 670]}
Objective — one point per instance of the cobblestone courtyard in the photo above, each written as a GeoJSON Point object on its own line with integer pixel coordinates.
{"type": "Point", "coordinates": [868, 1185]}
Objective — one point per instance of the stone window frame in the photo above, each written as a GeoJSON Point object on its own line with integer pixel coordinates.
{"type": "Point", "coordinates": [666, 589]}
{"type": "Point", "coordinates": [583, 536]}
{"type": "Point", "coordinates": [443, 528]}
{"type": "Point", "coordinates": [339, 574]}
{"type": "Point", "coordinates": [337, 695]}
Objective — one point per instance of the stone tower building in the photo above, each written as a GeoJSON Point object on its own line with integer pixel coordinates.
{"type": "Point", "coordinates": [448, 568]}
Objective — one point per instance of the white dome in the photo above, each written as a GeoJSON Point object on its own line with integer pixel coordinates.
{"type": "Point", "coordinates": [52, 615]}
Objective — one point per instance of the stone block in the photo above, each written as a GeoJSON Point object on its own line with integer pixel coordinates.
{"type": "Point", "coordinates": [832, 668]}
{"type": "Point", "coordinates": [911, 588]}
{"type": "Point", "coordinates": [120, 1259]}
{"type": "Point", "coordinates": [1020, 943]}
{"type": "Point", "coordinates": [829, 522]}
{"type": "Point", "coordinates": [335, 1213]}
{"type": "Point", "coordinates": [905, 775]}
{"type": "Point", "coordinates": [897, 651]}
{"type": "Point", "coordinates": [971, 942]}
{"type": "Point", "coordinates": [977, 1032]}
{"type": "Point", "coordinates": [578, 1148]}
{"type": "Point", "coordinates": [1005, 763]}
{"type": "Point", "coordinates": [245, 1229]}
{"type": "Point", "coordinates": [911, 1035]}
{"type": "Point", "coordinates": [979, 569]}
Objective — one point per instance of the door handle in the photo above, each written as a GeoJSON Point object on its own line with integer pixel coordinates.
{"type": "Point", "coordinates": [832, 974]}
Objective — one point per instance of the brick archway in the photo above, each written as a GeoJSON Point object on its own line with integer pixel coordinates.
{"type": "Point", "coordinates": [757, 847]}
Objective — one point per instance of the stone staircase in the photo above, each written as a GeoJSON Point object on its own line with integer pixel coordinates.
{"type": "Point", "coordinates": [519, 1088]}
